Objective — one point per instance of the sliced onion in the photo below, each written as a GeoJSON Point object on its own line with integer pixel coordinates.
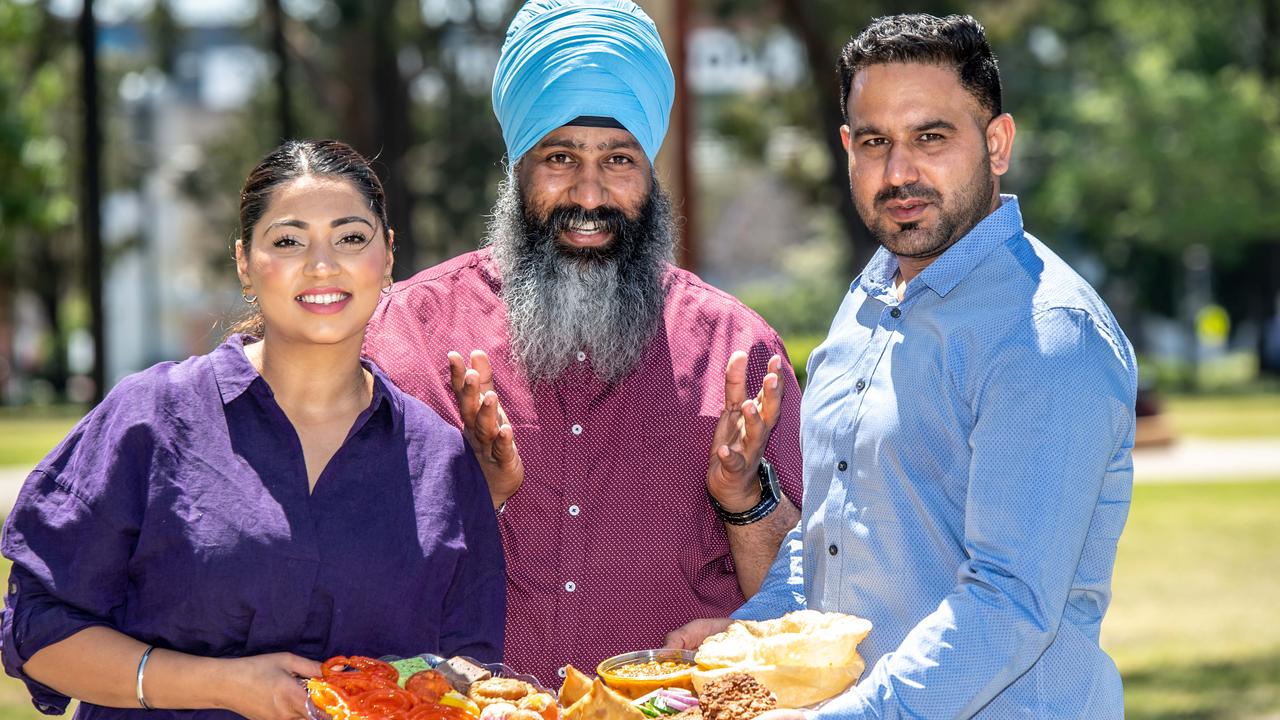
{"type": "Point", "coordinates": [677, 701]}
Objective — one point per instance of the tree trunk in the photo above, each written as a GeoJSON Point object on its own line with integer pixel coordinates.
{"type": "Point", "coordinates": [90, 200]}
{"type": "Point", "coordinates": [284, 99]}
{"type": "Point", "coordinates": [391, 108]}
{"type": "Point", "coordinates": [1268, 291]}
{"type": "Point", "coordinates": [822, 63]}
{"type": "Point", "coordinates": [49, 294]}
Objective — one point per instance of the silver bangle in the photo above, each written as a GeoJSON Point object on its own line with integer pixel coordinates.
{"type": "Point", "coordinates": [142, 665]}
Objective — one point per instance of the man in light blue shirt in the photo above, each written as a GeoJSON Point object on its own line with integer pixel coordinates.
{"type": "Point", "coordinates": [968, 422]}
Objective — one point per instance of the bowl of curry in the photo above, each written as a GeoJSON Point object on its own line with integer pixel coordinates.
{"type": "Point", "coordinates": [636, 674]}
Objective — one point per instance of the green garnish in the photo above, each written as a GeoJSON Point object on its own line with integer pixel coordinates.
{"type": "Point", "coordinates": [409, 666]}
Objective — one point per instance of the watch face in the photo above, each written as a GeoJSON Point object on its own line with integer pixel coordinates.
{"type": "Point", "coordinates": [769, 480]}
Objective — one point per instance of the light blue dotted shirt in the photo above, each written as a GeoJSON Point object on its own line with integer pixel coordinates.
{"type": "Point", "coordinates": [967, 474]}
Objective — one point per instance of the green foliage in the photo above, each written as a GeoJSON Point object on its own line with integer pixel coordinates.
{"type": "Point", "coordinates": [1145, 126]}
{"type": "Point", "coordinates": [35, 200]}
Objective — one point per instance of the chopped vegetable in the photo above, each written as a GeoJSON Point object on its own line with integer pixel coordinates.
{"type": "Point", "coordinates": [409, 666]}
{"type": "Point", "coordinates": [455, 699]}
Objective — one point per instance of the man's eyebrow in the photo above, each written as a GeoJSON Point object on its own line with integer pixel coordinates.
{"type": "Point", "coordinates": [936, 124]}
{"type": "Point", "coordinates": [563, 142]}
{"type": "Point", "coordinates": [349, 219]}
{"type": "Point", "coordinates": [926, 126]}
{"type": "Point", "coordinates": [628, 143]}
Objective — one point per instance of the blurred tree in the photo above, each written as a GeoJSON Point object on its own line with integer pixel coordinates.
{"type": "Point", "coordinates": [91, 191]}
{"type": "Point", "coordinates": [1153, 128]}
{"type": "Point", "coordinates": [280, 53]}
{"type": "Point", "coordinates": [407, 84]}
{"type": "Point", "coordinates": [37, 212]}
{"type": "Point", "coordinates": [1145, 127]}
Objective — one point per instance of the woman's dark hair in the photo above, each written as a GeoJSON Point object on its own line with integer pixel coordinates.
{"type": "Point", "coordinates": [955, 41]}
{"type": "Point", "coordinates": [293, 160]}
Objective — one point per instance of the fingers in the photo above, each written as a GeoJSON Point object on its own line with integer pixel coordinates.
{"type": "Point", "coordinates": [465, 394]}
{"type": "Point", "coordinates": [771, 390]}
{"type": "Point", "coordinates": [769, 399]}
{"type": "Point", "coordinates": [457, 369]}
{"type": "Point", "coordinates": [675, 640]}
{"type": "Point", "coordinates": [486, 424]}
{"type": "Point", "coordinates": [504, 445]}
{"type": "Point", "coordinates": [691, 635]}
{"type": "Point", "coordinates": [296, 702]}
{"type": "Point", "coordinates": [732, 460]}
{"type": "Point", "coordinates": [761, 414]}
{"type": "Point", "coordinates": [735, 380]}
{"type": "Point", "coordinates": [480, 363]}
{"type": "Point", "coordinates": [303, 667]}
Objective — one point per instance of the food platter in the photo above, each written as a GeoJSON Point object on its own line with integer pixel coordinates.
{"type": "Point", "coordinates": [800, 660]}
{"type": "Point", "coordinates": [431, 660]}
{"type": "Point", "coordinates": [498, 669]}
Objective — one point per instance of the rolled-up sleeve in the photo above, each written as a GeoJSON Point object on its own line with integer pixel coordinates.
{"type": "Point", "coordinates": [70, 536]}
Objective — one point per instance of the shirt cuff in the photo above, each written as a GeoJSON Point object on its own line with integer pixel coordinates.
{"type": "Point", "coordinates": [41, 626]}
{"type": "Point", "coordinates": [849, 705]}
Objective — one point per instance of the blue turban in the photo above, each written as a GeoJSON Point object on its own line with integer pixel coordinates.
{"type": "Point", "coordinates": [565, 59]}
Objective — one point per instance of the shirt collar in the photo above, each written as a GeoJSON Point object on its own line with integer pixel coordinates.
{"type": "Point", "coordinates": [232, 369]}
{"type": "Point", "coordinates": [235, 374]}
{"type": "Point", "coordinates": [944, 273]}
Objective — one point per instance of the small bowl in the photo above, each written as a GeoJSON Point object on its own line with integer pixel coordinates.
{"type": "Point", "coordinates": [636, 687]}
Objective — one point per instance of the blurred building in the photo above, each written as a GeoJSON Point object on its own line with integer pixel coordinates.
{"type": "Point", "coordinates": [163, 297]}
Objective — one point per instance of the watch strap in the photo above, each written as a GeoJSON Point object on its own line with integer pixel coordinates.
{"type": "Point", "coordinates": [769, 499]}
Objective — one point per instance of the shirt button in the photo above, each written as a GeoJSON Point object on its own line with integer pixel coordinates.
{"type": "Point", "coordinates": [842, 466]}
{"type": "Point", "coordinates": [562, 672]}
{"type": "Point", "coordinates": [833, 550]}
{"type": "Point", "coordinates": [895, 312]}
{"type": "Point", "coordinates": [859, 386]}
{"type": "Point", "coordinates": [574, 510]}
{"type": "Point", "coordinates": [581, 356]}
{"type": "Point", "coordinates": [576, 429]}
{"type": "Point", "coordinates": [570, 586]}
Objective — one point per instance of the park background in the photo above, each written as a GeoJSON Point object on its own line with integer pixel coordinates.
{"type": "Point", "coordinates": [1148, 155]}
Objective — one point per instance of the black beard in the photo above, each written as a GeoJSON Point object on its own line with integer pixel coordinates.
{"type": "Point", "coordinates": [969, 205]}
{"type": "Point", "coordinates": [561, 299]}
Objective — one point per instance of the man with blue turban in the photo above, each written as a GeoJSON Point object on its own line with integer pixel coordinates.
{"type": "Point", "coordinates": [646, 500]}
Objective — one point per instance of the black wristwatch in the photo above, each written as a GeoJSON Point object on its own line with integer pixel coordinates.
{"type": "Point", "coordinates": [770, 497]}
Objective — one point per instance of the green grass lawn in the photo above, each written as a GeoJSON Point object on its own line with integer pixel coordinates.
{"type": "Point", "coordinates": [1226, 416]}
{"type": "Point", "coordinates": [1193, 626]}
{"type": "Point", "coordinates": [26, 434]}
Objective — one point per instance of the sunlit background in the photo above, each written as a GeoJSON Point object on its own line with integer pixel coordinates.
{"type": "Point", "coordinates": [1148, 155]}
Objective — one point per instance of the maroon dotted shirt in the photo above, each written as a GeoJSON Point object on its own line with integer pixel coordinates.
{"type": "Point", "coordinates": [611, 541]}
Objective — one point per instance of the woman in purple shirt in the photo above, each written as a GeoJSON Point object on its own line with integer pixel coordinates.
{"type": "Point", "coordinates": [217, 526]}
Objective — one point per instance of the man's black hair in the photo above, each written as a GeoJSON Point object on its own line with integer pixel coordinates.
{"type": "Point", "coordinates": [955, 41]}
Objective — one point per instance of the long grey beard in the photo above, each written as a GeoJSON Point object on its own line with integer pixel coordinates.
{"type": "Point", "coordinates": [559, 302]}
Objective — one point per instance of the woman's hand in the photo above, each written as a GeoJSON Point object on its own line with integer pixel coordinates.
{"type": "Point", "coordinates": [268, 687]}
{"type": "Point", "coordinates": [485, 425]}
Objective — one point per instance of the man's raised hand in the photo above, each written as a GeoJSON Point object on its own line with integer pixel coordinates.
{"type": "Point", "coordinates": [485, 424]}
{"type": "Point", "coordinates": [742, 433]}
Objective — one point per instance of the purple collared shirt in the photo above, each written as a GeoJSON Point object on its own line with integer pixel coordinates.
{"type": "Point", "coordinates": [178, 513]}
